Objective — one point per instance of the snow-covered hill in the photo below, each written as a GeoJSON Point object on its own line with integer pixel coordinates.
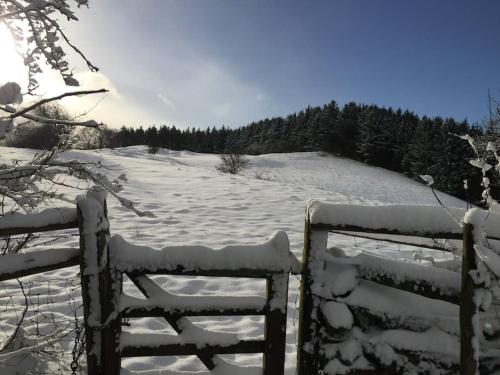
{"type": "Point", "coordinates": [195, 204]}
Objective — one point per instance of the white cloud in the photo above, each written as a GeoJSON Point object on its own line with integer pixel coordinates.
{"type": "Point", "coordinates": [166, 100]}
{"type": "Point", "coordinates": [113, 108]}
{"type": "Point", "coordinates": [205, 94]}
{"type": "Point", "coordinates": [208, 93]}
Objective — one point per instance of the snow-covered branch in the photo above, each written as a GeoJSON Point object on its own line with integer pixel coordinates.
{"type": "Point", "coordinates": [45, 120]}
{"type": "Point", "coordinates": [41, 19]}
{"type": "Point", "coordinates": [23, 111]}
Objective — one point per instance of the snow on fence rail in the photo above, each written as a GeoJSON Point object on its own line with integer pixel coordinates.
{"type": "Point", "coordinates": [430, 282]}
{"type": "Point", "coordinates": [272, 256]}
{"type": "Point", "coordinates": [368, 314]}
{"type": "Point", "coordinates": [25, 264]}
{"type": "Point", "coordinates": [25, 309]}
{"type": "Point", "coordinates": [19, 265]}
{"type": "Point", "coordinates": [47, 220]}
{"type": "Point", "coordinates": [404, 220]}
{"type": "Point", "coordinates": [105, 260]}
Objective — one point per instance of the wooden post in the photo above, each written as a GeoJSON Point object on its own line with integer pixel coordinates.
{"type": "Point", "coordinates": [100, 287]}
{"type": "Point", "coordinates": [275, 326]}
{"type": "Point", "coordinates": [315, 242]}
{"type": "Point", "coordinates": [468, 308]}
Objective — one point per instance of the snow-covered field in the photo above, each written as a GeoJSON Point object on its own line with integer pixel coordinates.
{"type": "Point", "coordinates": [195, 204]}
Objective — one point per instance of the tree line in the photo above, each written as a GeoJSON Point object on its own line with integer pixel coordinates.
{"type": "Point", "coordinates": [393, 139]}
{"type": "Point", "coordinates": [389, 138]}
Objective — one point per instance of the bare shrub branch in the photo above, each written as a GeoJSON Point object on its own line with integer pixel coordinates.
{"type": "Point", "coordinates": [232, 163]}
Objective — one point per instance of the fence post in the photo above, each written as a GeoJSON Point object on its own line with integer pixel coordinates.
{"type": "Point", "coordinates": [315, 242]}
{"type": "Point", "coordinates": [101, 287]}
{"type": "Point", "coordinates": [468, 308]}
{"type": "Point", "coordinates": [275, 326]}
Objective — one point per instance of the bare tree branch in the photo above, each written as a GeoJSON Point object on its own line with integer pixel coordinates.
{"type": "Point", "coordinates": [91, 66]}
{"type": "Point", "coordinates": [23, 111]}
{"type": "Point", "coordinates": [44, 120]}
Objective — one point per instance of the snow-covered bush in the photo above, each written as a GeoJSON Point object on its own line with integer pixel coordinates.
{"type": "Point", "coordinates": [42, 136]}
{"type": "Point", "coordinates": [232, 163]}
{"type": "Point", "coordinates": [91, 138]}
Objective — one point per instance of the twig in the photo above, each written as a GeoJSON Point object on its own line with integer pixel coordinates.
{"type": "Point", "coordinates": [44, 120]}
{"type": "Point", "coordinates": [54, 98]}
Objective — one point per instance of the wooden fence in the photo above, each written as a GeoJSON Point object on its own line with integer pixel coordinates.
{"type": "Point", "coordinates": [104, 260]}
{"type": "Point", "coordinates": [20, 265]}
{"type": "Point", "coordinates": [104, 263]}
{"type": "Point", "coordinates": [431, 283]}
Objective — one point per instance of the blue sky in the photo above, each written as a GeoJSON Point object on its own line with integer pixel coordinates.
{"type": "Point", "coordinates": [220, 62]}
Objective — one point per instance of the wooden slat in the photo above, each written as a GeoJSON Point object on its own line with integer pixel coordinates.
{"type": "Point", "coordinates": [353, 228]}
{"type": "Point", "coordinates": [159, 311]}
{"type": "Point", "coordinates": [161, 302]}
{"type": "Point", "coordinates": [406, 242]}
{"type": "Point", "coordinates": [272, 256]}
{"type": "Point", "coordinates": [48, 228]}
{"type": "Point", "coordinates": [26, 264]}
{"type": "Point", "coordinates": [443, 364]}
{"type": "Point", "coordinates": [366, 318]}
{"type": "Point", "coordinates": [148, 287]}
{"type": "Point", "coordinates": [422, 288]}
{"type": "Point", "coordinates": [420, 221]}
{"type": "Point", "coordinates": [244, 346]}
{"type": "Point", "coordinates": [240, 273]}
{"type": "Point", "coordinates": [51, 219]}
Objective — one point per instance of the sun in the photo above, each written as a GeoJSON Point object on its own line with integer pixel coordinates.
{"type": "Point", "coordinates": [11, 64]}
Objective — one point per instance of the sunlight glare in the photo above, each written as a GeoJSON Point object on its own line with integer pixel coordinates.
{"type": "Point", "coordinates": [11, 64]}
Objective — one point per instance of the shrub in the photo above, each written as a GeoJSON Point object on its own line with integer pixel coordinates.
{"type": "Point", "coordinates": [232, 163]}
{"type": "Point", "coordinates": [153, 149]}
{"type": "Point", "coordinates": [41, 136]}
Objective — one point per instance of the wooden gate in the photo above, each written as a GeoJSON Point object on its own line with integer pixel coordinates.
{"type": "Point", "coordinates": [104, 261]}
{"type": "Point", "coordinates": [404, 222]}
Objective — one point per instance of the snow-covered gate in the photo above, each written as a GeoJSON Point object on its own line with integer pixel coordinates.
{"type": "Point", "coordinates": [367, 314]}
{"type": "Point", "coordinates": [105, 260]}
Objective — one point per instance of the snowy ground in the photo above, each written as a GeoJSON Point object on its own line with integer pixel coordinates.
{"type": "Point", "coordinates": [195, 204]}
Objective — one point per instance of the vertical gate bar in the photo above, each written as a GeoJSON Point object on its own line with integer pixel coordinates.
{"type": "Point", "coordinates": [110, 288]}
{"type": "Point", "coordinates": [275, 324]}
{"type": "Point", "coordinates": [315, 242]}
{"type": "Point", "coordinates": [99, 287]}
{"type": "Point", "coordinates": [468, 308]}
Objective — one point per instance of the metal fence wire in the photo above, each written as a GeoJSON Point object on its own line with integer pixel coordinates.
{"type": "Point", "coordinates": [41, 325]}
